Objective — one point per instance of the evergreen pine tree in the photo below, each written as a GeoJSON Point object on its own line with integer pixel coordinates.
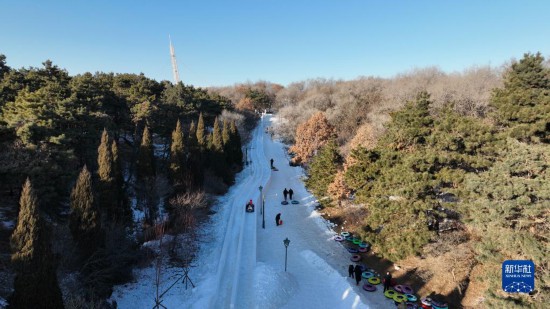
{"type": "Point", "coordinates": [146, 161]}
{"type": "Point", "coordinates": [217, 139]}
{"type": "Point", "coordinates": [84, 220]}
{"type": "Point", "coordinates": [201, 133]}
{"type": "Point", "coordinates": [236, 146]}
{"type": "Point", "coordinates": [35, 284]}
{"type": "Point", "coordinates": [192, 138]}
{"type": "Point", "coordinates": [177, 155]}
{"type": "Point", "coordinates": [106, 173]}
{"type": "Point", "coordinates": [122, 212]}
{"type": "Point", "coordinates": [523, 104]}
{"type": "Point", "coordinates": [323, 169]}
{"type": "Point", "coordinates": [226, 133]}
{"type": "Point", "coordinates": [194, 177]}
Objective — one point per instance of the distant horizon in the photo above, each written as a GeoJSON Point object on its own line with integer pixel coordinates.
{"type": "Point", "coordinates": [220, 44]}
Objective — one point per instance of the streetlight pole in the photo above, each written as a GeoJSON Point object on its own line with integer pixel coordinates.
{"type": "Point", "coordinates": [262, 207]}
{"type": "Point", "coordinates": [286, 242]}
{"type": "Point", "coordinates": [263, 212]}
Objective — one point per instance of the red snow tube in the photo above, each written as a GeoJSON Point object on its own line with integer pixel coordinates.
{"type": "Point", "coordinates": [280, 222]}
{"type": "Point", "coordinates": [362, 249]}
{"type": "Point", "coordinates": [426, 303]}
{"type": "Point", "coordinates": [355, 258]}
{"type": "Point", "coordinates": [369, 287]}
{"type": "Point", "coordinates": [339, 238]}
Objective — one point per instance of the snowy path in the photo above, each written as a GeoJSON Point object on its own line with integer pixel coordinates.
{"type": "Point", "coordinates": [241, 265]}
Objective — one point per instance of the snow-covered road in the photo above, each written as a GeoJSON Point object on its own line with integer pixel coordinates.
{"type": "Point", "coordinates": [241, 264]}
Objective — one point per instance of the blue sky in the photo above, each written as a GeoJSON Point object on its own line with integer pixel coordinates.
{"type": "Point", "coordinates": [226, 42]}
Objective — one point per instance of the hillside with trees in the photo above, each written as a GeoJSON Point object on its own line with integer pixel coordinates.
{"type": "Point", "coordinates": [94, 165]}
{"type": "Point", "coordinates": [446, 175]}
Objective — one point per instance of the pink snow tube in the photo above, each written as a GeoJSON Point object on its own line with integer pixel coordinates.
{"type": "Point", "coordinates": [361, 249]}
{"type": "Point", "coordinates": [369, 287]}
{"type": "Point", "coordinates": [355, 258]}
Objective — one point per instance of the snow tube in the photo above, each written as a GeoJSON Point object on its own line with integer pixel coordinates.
{"type": "Point", "coordinates": [426, 303]}
{"type": "Point", "coordinates": [369, 287]}
{"type": "Point", "coordinates": [399, 298]}
{"type": "Point", "coordinates": [345, 234]}
{"type": "Point", "coordinates": [356, 241]}
{"type": "Point", "coordinates": [406, 289]}
{"type": "Point", "coordinates": [411, 297]}
{"type": "Point", "coordinates": [362, 249]}
{"type": "Point", "coordinates": [280, 222]}
{"type": "Point", "coordinates": [338, 238]}
{"type": "Point", "coordinates": [295, 202]}
{"type": "Point", "coordinates": [364, 245]}
{"type": "Point", "coordinates": [349, 238]}
{"type": "Point", "coordinates": [398, 288]}
{"type": "Point", "coordinates": [363, 268]}
{"type": "Point", "coordinates": [284, 202]}
{"type": "Point", "coordinates": [439, 305]}
{"type": "Point", "coordinates": [351, 250]}
{"type": "Point", "coordinates": [390, 293]}
{"type": "Point", "coordinates": [367, 274]}
{"type": "Point", "coordinates": [374, 280]}
{"type": "Point", "coordinates": [355, 258]}
{"type": "Point", "coordinates": [412, 306]}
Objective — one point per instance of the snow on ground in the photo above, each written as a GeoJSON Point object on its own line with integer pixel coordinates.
{"type": "Point", "coordinates": [241, 264]}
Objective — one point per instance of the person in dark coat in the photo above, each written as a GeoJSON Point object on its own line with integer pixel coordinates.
{"type": "Point", "coordinates": [350, 271]}
{"type": "Point", "coordinates": [387, 281]}
{"type": "Point", "coordinates": [357, 271]}
{"type": "Point", "coordinates": [290, 193]}
{"type": "Point", "coordinates": [271, 163]}
{"type": "Point", "coordinates": [285, 193]}
{"type": "Point", "coordinates": [278, 219]}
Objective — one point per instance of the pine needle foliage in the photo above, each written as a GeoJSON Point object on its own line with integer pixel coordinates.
{"type": "Point", "coordinates": [85, 219]}
{"type": "Point", "coordinates": [36, 284]}
{"type": "Point", "coordinates": [523, 104]}
{"type": "Point", "coordinates": [323, 169]}
{"type": "Point", "coordinates": [146, 159]}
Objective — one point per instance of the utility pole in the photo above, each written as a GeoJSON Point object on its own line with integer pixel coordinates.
{"type": "Point", "coordinates": [174, 63]}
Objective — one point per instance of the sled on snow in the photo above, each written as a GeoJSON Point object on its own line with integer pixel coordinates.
{"type": "Point", "coordinates": [249, 207]}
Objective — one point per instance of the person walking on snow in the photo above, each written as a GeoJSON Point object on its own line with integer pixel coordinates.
{"type": "Point", "coordinates": [357, 271]}
{"type": "Point", "coordinates": [387, 281]}
{"type": "Point", "coordinates": [350, 270]}
{"type": "Point", "coordinates": [278, 219]}
{"type": "Point", "coordinates": [271, 162]}
{"type": "Point", "coordinates": [285, 193]}
{"type": "Point", "coordinates": [290, 193]}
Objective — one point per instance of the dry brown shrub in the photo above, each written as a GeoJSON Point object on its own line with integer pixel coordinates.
{"type": "Point", "coordinates": [310, 136]}
{"type": "Point", "coordinates": [338, 190]}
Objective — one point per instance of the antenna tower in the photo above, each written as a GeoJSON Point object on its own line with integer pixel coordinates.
{"type": "Point", "coordinates": [174, 63]}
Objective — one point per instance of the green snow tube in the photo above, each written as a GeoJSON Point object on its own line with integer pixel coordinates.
{"type": "Point", "coordinates": [375, 281]}
{"type": "Point", "coordinates": [390, 293]}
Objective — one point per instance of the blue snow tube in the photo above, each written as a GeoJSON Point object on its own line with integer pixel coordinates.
{"type": "Point", "coordinates": [295, 202]}
{"type": "Point", "coordinates": [284, 202]}
{"type": "Point", "coordinates": [367, 274]}
{"type": "Point", "coordinates": [338, 238]}
{"type": "Point", "coordinates": [345, 234]}
{"type": "Point", "coordinates": [355, 258]}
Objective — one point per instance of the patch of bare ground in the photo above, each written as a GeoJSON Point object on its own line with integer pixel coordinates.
{"type": "Point", "coordinates": [444, 269]}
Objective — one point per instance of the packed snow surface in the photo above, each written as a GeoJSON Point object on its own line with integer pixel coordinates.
{"type": "Point", "coordinates": [242, 265]}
